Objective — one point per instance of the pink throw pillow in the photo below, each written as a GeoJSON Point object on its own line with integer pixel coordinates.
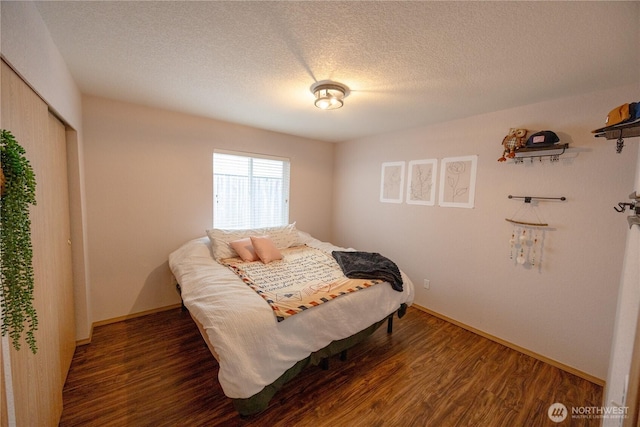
{"type": "Point", "coordinates": [265, 249]}
{"type": "Point", "coordinates": [244, 248]}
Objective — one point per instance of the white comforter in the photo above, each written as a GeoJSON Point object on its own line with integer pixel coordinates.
{"type": "Point", "coordinates": [253, 349]}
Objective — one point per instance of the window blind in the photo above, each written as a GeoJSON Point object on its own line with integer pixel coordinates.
{"type": "Point", "coordinates": [249, 190]}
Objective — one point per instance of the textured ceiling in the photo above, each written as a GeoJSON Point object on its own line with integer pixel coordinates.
{"type": "Point", "coordinates": [406, 63]}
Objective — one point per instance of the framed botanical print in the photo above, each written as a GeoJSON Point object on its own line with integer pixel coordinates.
{"type": "Point", "coordinates": [421, 188]}
{"type": "Point", "coordinates": [392, 182]}
{"type": "Point", "coordinates": [458, 181]}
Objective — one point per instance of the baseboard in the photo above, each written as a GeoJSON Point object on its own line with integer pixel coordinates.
{"type": "Point", "coordinates": [126, 317]}
{"type": "Point", "coordinates": [86, 340]}
{"type": "Point", "coordinates": [516, 347]}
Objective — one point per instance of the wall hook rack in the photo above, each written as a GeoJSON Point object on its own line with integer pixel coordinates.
{"type": "Point", "coordinates": [553, 153]}
{"type": "Point", "coordinates": [619, 132]}
{"type": "Point", "coordinates": [634, 205]}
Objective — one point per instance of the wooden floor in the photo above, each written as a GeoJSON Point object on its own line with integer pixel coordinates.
{"type": "Point", "coordinates": [157, 371]}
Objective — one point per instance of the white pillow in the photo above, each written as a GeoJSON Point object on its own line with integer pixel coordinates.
{"type": "Point", "coordinates": [282, 237]}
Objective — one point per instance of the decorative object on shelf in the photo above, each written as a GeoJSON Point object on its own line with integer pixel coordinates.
{"type": "Point", "coordinates": [15, 243]}
{"type": "Point", "coordinates": [329, 95]}
{"type": "Point", "coordinates": [621, 114]}
{"type": "Point", "coordinates": [544, 138]}
{"type": "Point", "coordinates": [621, 122]}
{"type": "Point", "coordinates": [634, 205]}
{"type": "Point", "coordinates": [515, 139]}
{"type": "Point", "coordinates": [539, 145]}
{"type": "Point", "coordinates": [528, 232]}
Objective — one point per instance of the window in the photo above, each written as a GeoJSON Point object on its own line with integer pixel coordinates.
{"type": "Point", "coordinates": [249, 191]}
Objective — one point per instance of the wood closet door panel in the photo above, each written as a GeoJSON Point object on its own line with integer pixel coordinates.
{"type": "Point", "coordinates": [38, 379]}
{"type": "Point", "coordinates": [60, 244]}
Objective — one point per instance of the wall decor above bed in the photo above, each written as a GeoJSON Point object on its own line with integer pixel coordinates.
{"type": "Point", "coordinates": [458, 181]}
{"type": "Point", "coordinates": [392, 182]}
{"type": "Point", "coordinates": [421, 189]}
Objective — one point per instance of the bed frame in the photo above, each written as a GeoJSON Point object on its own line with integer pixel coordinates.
{"type": "Point", "coordinates": [260, 401]}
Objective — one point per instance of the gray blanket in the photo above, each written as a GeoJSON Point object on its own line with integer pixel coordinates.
{"type": "Point", "coordinates": [369, 265]}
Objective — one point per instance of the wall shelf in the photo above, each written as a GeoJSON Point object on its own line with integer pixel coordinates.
{"type": "Point", "coordinates": [619, 132]}
{"type": "Point", "coordinates": [553, 152]}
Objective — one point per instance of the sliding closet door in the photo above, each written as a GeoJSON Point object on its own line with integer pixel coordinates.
{"type": "Point", "coordinates": [38, 379]}
{"type": "Point", "coordinates": [59, 242]}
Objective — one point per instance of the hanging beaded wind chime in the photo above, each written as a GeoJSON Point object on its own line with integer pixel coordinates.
{"type": "Point", "coordinates": [527, 234]}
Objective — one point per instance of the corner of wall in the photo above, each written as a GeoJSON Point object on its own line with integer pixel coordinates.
{"type": "Point", "coordinates": [28, 48]}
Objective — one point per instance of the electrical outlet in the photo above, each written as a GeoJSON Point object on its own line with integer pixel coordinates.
{"type": "Point", "coordinates": [427, 284]}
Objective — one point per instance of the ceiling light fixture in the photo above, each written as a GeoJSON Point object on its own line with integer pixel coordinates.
{"type": "Point", "coordinates": [329, 95]}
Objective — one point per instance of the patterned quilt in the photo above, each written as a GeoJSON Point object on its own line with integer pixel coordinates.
{"type": "Point", "coordinates": [305, 277]}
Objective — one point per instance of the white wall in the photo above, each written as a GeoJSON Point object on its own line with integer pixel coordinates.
{"type": "Point", "coordinates": [149, 189]}
{"type": "Point", "coordinates": [27, 46]}
{"type": "Point", "coordinates": [563, 310]}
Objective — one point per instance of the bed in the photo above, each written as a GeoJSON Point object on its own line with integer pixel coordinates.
{"type": "Point", "coordinates": [256, 351]}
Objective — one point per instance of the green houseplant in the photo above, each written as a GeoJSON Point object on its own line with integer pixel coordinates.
{"type": "Point", "coordinates": [16, 269]}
